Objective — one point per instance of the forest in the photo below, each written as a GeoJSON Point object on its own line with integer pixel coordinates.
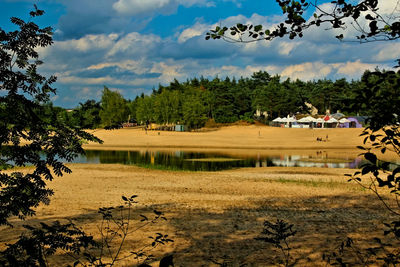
{"type": "Point", "coordinates": [199, 100]}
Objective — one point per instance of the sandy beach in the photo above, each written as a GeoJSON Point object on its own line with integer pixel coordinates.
{"type": "Point", "coordinates": [231, 137]}
{"type": "Point", "coordinates": [214, 216]}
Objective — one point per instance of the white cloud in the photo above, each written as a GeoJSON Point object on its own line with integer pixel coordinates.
{"type": "Point", "coordinates": [134, 7]}
{"type": "Point", "coordinates": [136, 66]}
{"type": "Point", "coordinates": [389, 7]}
{"type": "Point", "coordinates": [141, 7]}
{"type": "Point", "coordinates": [307, 71]}
{"type": "Point", "coordinates": [134, 44]}
{"type": "Point", "coordinates": [286, 47]}
{"type": "Point", "coordinates": [88, 42]}
{"type": "Point", "coordinates": [196, 30]}
{"type": "Point", "coordinates": [237, 71]}
{"type": "Point", "coordinates": [353, 69]}
{"type": "Point", "coordinates": [390, 51]}
{"type": "Point", "coordinates": [168, 71]}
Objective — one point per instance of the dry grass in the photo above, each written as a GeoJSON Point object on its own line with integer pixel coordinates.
{"type": "Point", "coordinates": [217, 214]}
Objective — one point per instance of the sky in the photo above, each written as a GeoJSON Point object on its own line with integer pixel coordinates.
{"type": "Point", "coordinates": [132, 46]}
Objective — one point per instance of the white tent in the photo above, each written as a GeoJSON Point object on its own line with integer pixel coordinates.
{"type": "Point", "coordinates": [291, 119]}
{"type": "Point", "coordinates": [344, 120]}
{"type": "Point", "coordinates": [320, 120]}
{"type": "Point", "coordinates": [304, 120]}
{"type": "Point", "coordinates": [332, 120]}
{"type": "Point", "coordinates": [277, 120]}
{"type": "Point", "coordinates": [311, 119]}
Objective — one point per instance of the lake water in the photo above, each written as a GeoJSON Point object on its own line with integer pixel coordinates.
{"type": "Point", "coordinates": [214, 161]}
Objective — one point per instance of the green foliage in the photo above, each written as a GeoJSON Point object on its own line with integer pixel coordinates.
{"type": "Point", "coordinates": [224, 101]}
{"type": "Point", "coordinates": [221, 101]}
{"type": "Point", "coordinates": [30, 132]}
{"type": "Point", "coordinates": [114, 110]}
{"type": "Point", "coordinates": [88, 114]}
{"type": "Point", "coordinates": [194, 109]}
{"type": "Point", "coordinates": [378, 96]}
{"type": "Point", "coordinates": [144, 109]}
{"type": "Point", "coordinates": [167, 107]}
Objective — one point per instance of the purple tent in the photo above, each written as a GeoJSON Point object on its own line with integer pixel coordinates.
{"type": "Point", "coordinates": [353, 123]}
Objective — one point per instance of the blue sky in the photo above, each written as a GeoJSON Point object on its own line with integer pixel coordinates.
{"type": "Point", "coordinates": [133, 45]}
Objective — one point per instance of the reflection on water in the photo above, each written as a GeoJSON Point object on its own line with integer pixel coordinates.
{"type": "Point", "coordinates": [196, 161]}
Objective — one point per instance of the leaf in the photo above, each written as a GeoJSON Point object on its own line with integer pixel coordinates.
{"type": "Point", "coordinates": [370, 157]}
{"type": "Point", "coordinates": [381, 183]}
{"type": "Point", "coordinates": [396, 171]}
{"type": "Point", "coordinates": [369, 17]}
{"type": "Point", "coordinates": [167, 261]}
{"type": "Point", "coordinates": [157, 212]}
{"type": "Point", "coordinates": [366, 169]}
{"type": "Point", "coordinates": [385, 165]}
{"type": "Point", "coordinates": [340, 36]}
{"type": "Point", "coordinates": [258, 28]}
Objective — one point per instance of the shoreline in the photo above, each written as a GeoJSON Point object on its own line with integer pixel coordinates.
{"type": "Point", "coordinates": [231, 137]}
{"type": "Point", "coordinates": [130, 147]}
{"type": "Point", "coordinates": [241, 140]}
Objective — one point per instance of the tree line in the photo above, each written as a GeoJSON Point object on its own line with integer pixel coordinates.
{"type": "Point", "coordinates": [198, 100]}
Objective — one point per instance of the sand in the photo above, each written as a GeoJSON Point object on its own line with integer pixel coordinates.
{"type": "Point", "coordinates": [231, 137]}
{"type": "Point", "coordinates": [213, 217]}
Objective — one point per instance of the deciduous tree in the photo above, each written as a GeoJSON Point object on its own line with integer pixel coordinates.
{"type": "Point", "coordinates": [114, 110]}
{"type": "Point", "coordinates": [26, 137]}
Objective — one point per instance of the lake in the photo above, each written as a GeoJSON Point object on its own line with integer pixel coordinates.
{"type": "Point", "coordinates": [221, 160]}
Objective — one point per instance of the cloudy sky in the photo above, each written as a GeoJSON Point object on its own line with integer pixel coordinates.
{"type": "Point", "coordinates": [135, 45]}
